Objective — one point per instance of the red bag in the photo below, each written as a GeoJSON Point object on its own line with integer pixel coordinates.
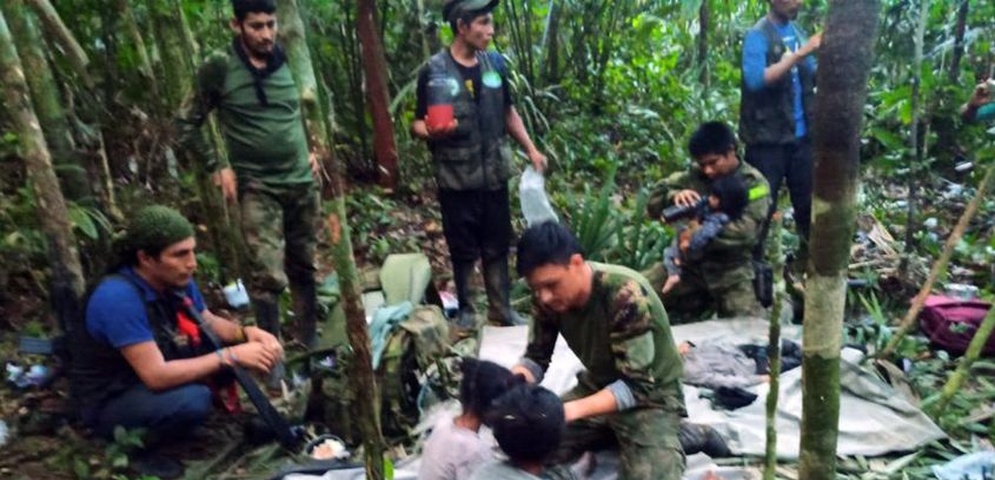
{"type": "Point", "coordinates": [950, 323]}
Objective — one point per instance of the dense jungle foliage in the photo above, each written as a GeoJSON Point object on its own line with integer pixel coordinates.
{"type": "Point", "coordinates": [610, 91]}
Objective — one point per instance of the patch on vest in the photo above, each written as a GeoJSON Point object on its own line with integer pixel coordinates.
{"type": "Point", "coordinates": [453, 86]}
{"type": "Point", "coordinates": [492, 79]}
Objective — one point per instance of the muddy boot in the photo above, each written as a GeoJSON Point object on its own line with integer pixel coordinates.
{"type": "Point", "coordinates": [498, 285]}
{"type": "Point", "coordinates": [268, 318]}
{"type": "Point", "coordinates": [462, 270]}
{"type": "Point", "coordinates": [697, 437]}
{"type": "Point", "coordinates": [305, 301]}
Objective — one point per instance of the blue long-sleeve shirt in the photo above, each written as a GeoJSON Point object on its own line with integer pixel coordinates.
{"type": "Point", "coordinates": [711, 226]}
{"type": "Point", "coordinates": [755, 62]}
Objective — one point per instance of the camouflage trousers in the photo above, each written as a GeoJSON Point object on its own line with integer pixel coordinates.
{"type": "Point", "coordinates": [695, 296]}
{"type": "Point", "coordinates": [646, 439]}
{"type": "Point", "coordinates": [280, 229]}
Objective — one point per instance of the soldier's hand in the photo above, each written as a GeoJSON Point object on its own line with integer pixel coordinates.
{"type": "Point", "coordinates": [435, 133]}
{"type": "Point", "coordinates": [225, 178]}
{"type": "Point", "coordinates": [686, 198]}
{"type": "Point", "coordinates": [256, 334]}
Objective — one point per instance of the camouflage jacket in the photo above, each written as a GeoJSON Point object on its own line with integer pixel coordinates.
{"type": "Point", "coordinates": [728, 255]}
{"type": "Point", "coordinates": [622, 333]}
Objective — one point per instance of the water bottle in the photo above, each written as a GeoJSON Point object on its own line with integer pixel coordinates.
{"type": "Point", "coordinates": [439, 101]}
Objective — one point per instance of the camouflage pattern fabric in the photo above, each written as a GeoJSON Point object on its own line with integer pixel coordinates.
{"type": "Point", "coordinates": [623, 333]}
{"type": "Point", "coordinates": [725, 268]}
{"type": "Point", "coordinates": [647, 441]}
{"type": "Point", "coordinates": [280, 228]}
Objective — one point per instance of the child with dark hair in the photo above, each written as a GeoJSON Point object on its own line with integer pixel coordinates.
{"type": "Point", "coordinates": [727, 200]}
{"type": "Point", "coordinates": [454, 448]}
{"type": "Point", "coordinates": [528, 423]}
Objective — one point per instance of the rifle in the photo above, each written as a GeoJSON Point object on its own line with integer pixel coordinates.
{"type": "Point", "coordinates": [289, 437]}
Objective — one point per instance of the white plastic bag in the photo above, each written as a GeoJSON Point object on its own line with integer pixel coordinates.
{"type": "Point", "coordinates": [532, 194]}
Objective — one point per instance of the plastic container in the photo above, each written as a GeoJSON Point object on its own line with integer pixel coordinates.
{"type": "Point", "coordinates": [532, 195]}
{"type": "Point", "coordinates": [440, 101]}
{"type": "Point", "coordinates": [235, 294]}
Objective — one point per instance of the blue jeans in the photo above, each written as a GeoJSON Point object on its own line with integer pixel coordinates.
{"type": "Point", "coordinates": [163, 414]}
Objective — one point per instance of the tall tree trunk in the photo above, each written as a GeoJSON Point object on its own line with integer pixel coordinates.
{"type": "Point", "coordinates": [51, 206]}
{"type": "Point", "coordinates": [377, 95]}
{"type": "Point", "coordinates": [704, 23]}
{"type": "Point", "coordinates": [134, 36]}
{"type": "Point", "coordinates": [915, 140]}
{"type": "Point", "coordinates": [177, 61]}
{"type": "Point", "coordinates": [959, 31]}
{"type": "Point", "coordinates": [844, 66]}
{"type": "Point", "coordinates": [361, 377]}
{"type": "Point", "coordinates": [47, 103]}
{"type": "Point", "coordinates": [56, 29]}
{"type": "Point", "coordinates": [776, 258]}
{"type": "Point", "coordinates": [551, 43]}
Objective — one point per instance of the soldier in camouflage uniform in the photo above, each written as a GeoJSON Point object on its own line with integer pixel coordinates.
{"type": "Point", "coordinates": [721, 279]}
{"type": "Point", "coordinates": [271, 171]}
{"type": "Point", "coordinates": [472, 156]}
{"type": "Point", "coordinates": [630, 391]}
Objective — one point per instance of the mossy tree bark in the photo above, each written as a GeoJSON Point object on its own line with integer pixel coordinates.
{"type": "Point", "coordinates": [844, 65]}
{"type": "Point", "coordinates": [47, 102]}
{"type": "Point", "coordinates": [377, 95]}
{"type": "Point", "coordinates": [361, 377]}
{"type": "Point", "coordinates": [51, 205]}
{"type": "Point", "coordinates": [57, 29]}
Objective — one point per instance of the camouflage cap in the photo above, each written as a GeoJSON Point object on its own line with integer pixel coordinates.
{"type": "Point", "coordinates": [156, 227]}
{"type": "Point", "coordinates": [454, 8]}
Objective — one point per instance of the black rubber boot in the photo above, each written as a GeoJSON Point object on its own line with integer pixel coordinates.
{"type": "Point", "coordinates": [268, 318]}
{"type": "Point", "coordinates": [696, 437]}
{"type": "Point", "coordinates": [305, 299]}
{"type": "Point", "coordinates": [462, 271]}
{"type": "Point", "coordinates": [498, 284]}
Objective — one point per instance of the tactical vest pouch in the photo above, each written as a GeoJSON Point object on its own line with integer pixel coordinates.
{"type": "Point", "coordinates": [763, 283]}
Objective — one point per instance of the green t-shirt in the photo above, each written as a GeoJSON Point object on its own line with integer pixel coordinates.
{"type": "Point", "coordinates": [622, 333]}
{"type": "Point", "coordinates": [267, 142]}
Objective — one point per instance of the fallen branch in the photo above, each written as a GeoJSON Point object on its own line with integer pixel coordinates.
{"type": "Point", "coordinates": [940, 265]}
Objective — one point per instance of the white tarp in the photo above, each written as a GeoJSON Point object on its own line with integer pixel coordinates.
{"type": "Point", "coordinates": [874, 418]}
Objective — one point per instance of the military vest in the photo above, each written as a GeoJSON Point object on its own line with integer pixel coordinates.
{"type": "Point", "coordinates": [767, 116]}
{"type": "Point", "coordinates": [100, 372]}
{"type": "Point", "coordinates": [477, 155]}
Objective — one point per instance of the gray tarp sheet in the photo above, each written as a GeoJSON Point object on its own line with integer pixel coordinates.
{"type": "Point", "coordinates": [874, 419]}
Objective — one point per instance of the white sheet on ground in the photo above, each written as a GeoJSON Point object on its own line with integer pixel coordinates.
{"type": "Point", "coordinates": [874, 419]}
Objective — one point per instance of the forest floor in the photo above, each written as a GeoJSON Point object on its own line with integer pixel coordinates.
{"type": "Point", "coordinates": [36, 442]}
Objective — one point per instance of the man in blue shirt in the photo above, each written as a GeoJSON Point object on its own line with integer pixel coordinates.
{"type": "Point", "coordinates": [778, 91]}
{"type": "Point", "coordinates": [137, 360]}
{"type": "Point", "coordinates": [979, 108]}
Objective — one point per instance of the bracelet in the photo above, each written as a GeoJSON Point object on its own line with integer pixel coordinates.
{"type": "Point", "coordinates": [231, 355]}
{"type": "Point", "coordinates": [224, 361]}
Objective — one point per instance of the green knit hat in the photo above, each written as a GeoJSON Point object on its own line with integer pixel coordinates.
{"type": "Point", "coordinates": [156, 227]}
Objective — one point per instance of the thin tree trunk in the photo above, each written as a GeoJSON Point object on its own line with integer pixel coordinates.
{"type": "Point", "coordinates": [959, 31]}
{"type": "Point", "coordinates": [56, 29]}
{"type": "Point", "coordinates": [134, 36]}
{"type": "Point", "coordinates": [957, 378]}
{"type": "Point", "coordinates": [704, 23]}
{"type": "Point", "coordinates": [776, 258]}
{"type": "Point", "coordinates": [51, 206]}
{"type": "Point", "coordinates": [940, 266]}
{"type": "Point", "coordinates": [47, 104]}
{"type": "Point", "coordinates": [377, 95]}
{"type": "Point", "coordinates": [177, 61]}
{"type": "Point", "coordinates": [845, 61]}
{"type": "Point", "coordinates": [914, 138]}
{"type": "Point", "coordinates": [361, 377]}
{"type": "Point", "coordinates": [551, 42]}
